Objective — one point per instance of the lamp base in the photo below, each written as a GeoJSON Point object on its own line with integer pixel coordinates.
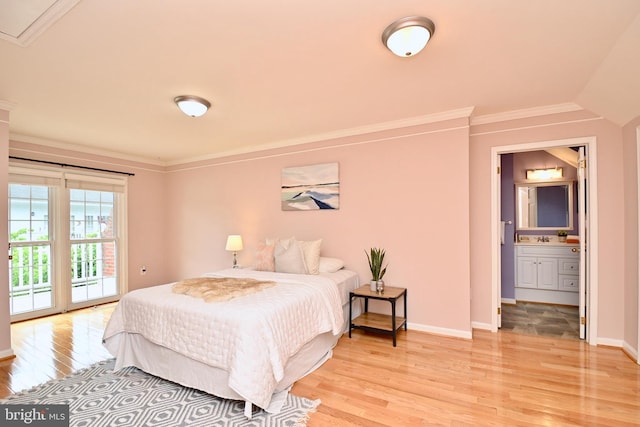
{"type": "Point", "coordinates": [235, 260]}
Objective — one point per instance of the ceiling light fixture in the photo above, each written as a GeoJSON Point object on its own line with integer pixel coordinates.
{"type": "Point", "coordinates": [192, 105]}
{"type": "Point", "coordinates": [408, 36]}
{"type": "Point", "coordinates": [544, 174]}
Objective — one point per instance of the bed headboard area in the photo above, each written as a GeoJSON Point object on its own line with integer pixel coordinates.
{"type": "Point", "coordinates": [289, 255]}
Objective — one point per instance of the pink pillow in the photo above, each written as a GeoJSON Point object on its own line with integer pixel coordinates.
{"type": "Point", "coordinates": [265, 259]}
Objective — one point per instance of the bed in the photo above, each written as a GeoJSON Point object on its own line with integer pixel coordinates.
{"type": "Point", "coordinates": [250, 348]}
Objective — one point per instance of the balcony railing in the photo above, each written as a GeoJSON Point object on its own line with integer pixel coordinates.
{"type": "Point", "coordinates": [92, 274]}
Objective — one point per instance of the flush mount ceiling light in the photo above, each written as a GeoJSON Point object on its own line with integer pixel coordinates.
{"type": "Point", "coordinates": [408, 36]}
{"type": "Point", "coordinates": [191, 105]}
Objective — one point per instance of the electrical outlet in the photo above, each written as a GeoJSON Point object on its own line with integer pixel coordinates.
{"type": "Point", "coordinates": [143, 270]}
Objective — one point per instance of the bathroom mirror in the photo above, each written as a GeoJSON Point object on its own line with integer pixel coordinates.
{"type": "Point", "coordinates": [544, 206]}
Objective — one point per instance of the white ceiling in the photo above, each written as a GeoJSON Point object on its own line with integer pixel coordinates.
{"type": "Point", "coordinates": [103, 77]}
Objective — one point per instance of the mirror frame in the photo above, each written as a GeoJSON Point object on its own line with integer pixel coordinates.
{"type": "Point", "coordinates": [570, 209]}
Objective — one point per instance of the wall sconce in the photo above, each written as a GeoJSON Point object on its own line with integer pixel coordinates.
{"type": "Point", "coordinates": [544, 174]}
{"type": "Point", "coordinates": [234, 244]}
{"type": "Point", "coordinates": [408, 36]}
{"type": "Point", "coordinates": [192, 105]}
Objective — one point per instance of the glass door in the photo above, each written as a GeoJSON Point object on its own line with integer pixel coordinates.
{"type": "Point", "coordinates": [31, 284]}
{"type": "Point", "coordinates": [93, 245]}
{"type": "Point", "coordinates": [67, 240]}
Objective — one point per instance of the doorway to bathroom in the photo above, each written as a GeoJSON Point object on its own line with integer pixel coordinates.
{"type": "Point", "coordinates": [540, 283]}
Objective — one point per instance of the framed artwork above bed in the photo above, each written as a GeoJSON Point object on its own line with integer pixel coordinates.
{"type": "Point", "coordinates": [311, 187]}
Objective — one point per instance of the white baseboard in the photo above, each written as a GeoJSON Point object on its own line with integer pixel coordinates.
{"type": "Point", "coordinates": [440, 331]}
{"type": "Point", "coordinates": [511, 301]}
{"type": "Point", "coordinates": [5, 354]}
{"type": "Point", "coordinates": [480, 325]}
{"type": "Point", "coordinates": [609, 342]}
{"type": "Point", "coordinates": [486, 326]}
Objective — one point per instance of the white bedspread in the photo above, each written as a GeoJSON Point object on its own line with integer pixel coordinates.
{"type": "Point", "coordinates": [251, 337]}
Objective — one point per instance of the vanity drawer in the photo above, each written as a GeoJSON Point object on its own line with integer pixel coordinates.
{"type": "Point", "coordinates": [568, 283]}
{"type": "Point", "coordinates": [567, 251]}
{"type": "Point", "coordinates": [568, 266]}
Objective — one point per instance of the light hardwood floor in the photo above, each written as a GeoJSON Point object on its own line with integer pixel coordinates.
{"type": "Point", "coordinates": [502, 379]}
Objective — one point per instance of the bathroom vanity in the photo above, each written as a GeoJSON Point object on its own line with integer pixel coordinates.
{"type": "Point", "coordinates": [547, 272]}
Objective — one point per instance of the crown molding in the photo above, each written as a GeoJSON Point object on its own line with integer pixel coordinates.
{"type": "Point", "coordinates": [83, 149]}
{"type": "Point", "coordinates": [342, 133]}
{"type": "Point", "coordinates": [7, 105]}
{"type": "Point", "coordinates": [525, 113]}
{"type": "Point", "coordinates": [361, 130]}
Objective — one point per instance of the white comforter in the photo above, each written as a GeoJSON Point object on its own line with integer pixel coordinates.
{"type": "Point", "coordinates": [251, 337]}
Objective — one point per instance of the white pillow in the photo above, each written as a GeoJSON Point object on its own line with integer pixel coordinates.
{"type": "Point", "coordinates": [275, 240]}
{"type": "Point", "coordinates": [330, 265]}
{"type": "Point", "coordinates": [311, 251]}
{"type": "Point", "coordinates": [289, 259]}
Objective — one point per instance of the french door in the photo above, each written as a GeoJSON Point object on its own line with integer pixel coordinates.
{"type": "Point", "coordinates": [93, 245]}
{"type": "Point", "coordinates": [66, 238]}
{"type": "Point", "coordinates": [30, 241]}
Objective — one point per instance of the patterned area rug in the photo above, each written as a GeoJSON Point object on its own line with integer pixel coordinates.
{"type": "Point", "coordinates": [98, 396]}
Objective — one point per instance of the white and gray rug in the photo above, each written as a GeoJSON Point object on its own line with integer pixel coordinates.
{"type": "Point", "coordinates": [98, 396]}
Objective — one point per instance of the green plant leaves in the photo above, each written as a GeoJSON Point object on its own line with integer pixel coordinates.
{"type": "Point", "coordinates": [375, 257]}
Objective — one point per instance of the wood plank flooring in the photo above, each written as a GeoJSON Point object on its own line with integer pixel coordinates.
{"type": "Point", "coordinates": [52, 347]}
{"type": "Point", "coordinates": [550, 320]}
{"type": "Point", "coordinates": [502, 379]}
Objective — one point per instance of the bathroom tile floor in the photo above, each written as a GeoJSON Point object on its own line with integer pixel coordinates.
{"type": "Point", "coordinates": [550, 320]}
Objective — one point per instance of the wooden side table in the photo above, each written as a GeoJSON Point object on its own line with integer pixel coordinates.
{"type": "Point", "coordinates": [376, 322]}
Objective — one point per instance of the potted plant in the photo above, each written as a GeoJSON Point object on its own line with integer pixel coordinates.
{"type": "Point", "coordinates": [562, 235]}
{"type": "Point", "coordinates": [375, 256]}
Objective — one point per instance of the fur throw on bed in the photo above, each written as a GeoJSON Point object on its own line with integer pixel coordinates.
{"type": "Point", "coordinates": [213, 289]}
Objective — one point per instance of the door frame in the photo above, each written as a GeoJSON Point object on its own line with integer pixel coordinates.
{"type": "Point", "coordinates": [637, 349]}
{"type": "Point", "coordinates": [59, 214]}
{"type": "Point", "coordinates": [592, 229]}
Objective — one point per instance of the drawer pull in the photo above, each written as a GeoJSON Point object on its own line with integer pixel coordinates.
{"type": "Point", "coordinates": [575, 249]}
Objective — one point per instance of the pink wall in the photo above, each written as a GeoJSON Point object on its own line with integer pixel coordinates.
{"type": "Point", "coordinates": [610, 206]}
{"type": "Point", "coordinates": [630, 228]}
{"type": "Point", "coordinates": [422, 193]}
{"type": "Point", "coordinates": [406, 191]}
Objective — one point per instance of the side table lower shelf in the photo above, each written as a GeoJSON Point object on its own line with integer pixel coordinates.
{"type": "Point", "coordinates": [376, 322]}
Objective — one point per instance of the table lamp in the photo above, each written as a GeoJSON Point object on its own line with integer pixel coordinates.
{"type": "Point", "coordinates": [234, 244]}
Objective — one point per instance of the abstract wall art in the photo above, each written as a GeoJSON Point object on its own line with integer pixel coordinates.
{"type": "Point", "coordinates": [311, 187]}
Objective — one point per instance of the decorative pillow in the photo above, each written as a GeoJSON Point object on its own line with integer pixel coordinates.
{"type": "Point", "coordinates": [284, 242]}
{"type": "Point", "coordinates": [290, 259]}
{"type": "Point", "coordinates": [265, 257]}
{"type": "Point", "coordinates": [311, 251]}
{"type": "Point", "coordinates": [330, 265]}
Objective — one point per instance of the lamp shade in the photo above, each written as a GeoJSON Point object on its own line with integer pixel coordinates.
{"type": "Point", "coordinates": [234, 243]}
{"type": "Point", "coordinates": [192, 105]}
{"type": "Point", "coordinates": [408, 36]}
